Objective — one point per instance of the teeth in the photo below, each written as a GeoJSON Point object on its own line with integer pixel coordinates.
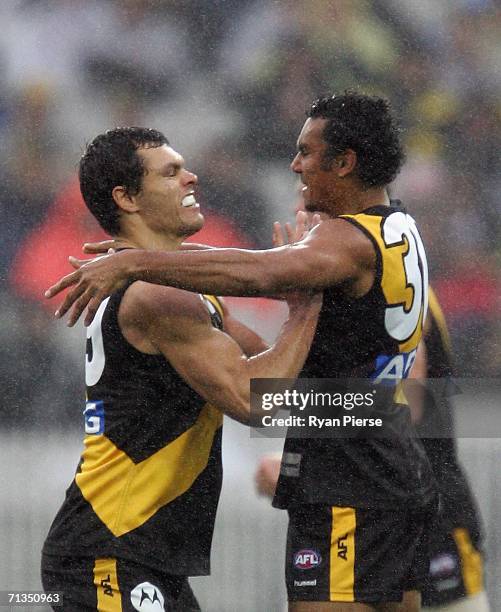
{"type": "Point", "coordinates": [188, 200]}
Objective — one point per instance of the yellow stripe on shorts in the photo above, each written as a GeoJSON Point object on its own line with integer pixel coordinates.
{"type": "Point", "coordinates": [109, 598]}
{"type": "Point", "coordinates": [342, 561]}
{"type": "Point", "coordinates": [471, 562]}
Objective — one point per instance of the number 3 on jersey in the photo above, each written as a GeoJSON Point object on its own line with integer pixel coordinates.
{"type": "Point", "coordinates": [94, 354]}
{"type": "Point", "coordinates": [407, 297]}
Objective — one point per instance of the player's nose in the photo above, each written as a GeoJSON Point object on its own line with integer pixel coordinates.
{"type": "Point", "coordinates": [191, 178]}
{"type": "Point", "coordinates": [296, 165]}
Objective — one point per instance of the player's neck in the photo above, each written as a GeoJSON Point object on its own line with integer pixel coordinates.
{"type": "Point", "coordinates": [150, 241]}
{"type": "Point", "coordinates": [359, 200]}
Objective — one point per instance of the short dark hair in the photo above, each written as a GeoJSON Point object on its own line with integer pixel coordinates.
{"type": "Point", "coordinates": [366, 125]}
{"type": "Point", "coordinates": [111, 160]}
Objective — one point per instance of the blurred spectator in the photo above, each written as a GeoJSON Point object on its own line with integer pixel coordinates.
{"type": "Point", "coordinates": [228, 187]}
{"type": "Point", "coordinates": [142, 47]}
{"type": "Point", "coordinates": [30, 170]}
{"type": "Point", "coordinates": [39, 378]}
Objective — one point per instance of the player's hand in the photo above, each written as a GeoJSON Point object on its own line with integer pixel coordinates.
{"type": "Point", "coordinates": [92, 282]}
{"type": "Point", "coordinates": [304, 223]}
{"type": "Point", "coordinates": [303, 226]}
{"type": "Point", "coordinates": [266, 476]}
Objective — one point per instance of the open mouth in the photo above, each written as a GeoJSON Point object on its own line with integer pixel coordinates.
{"type": "Point", "coordinates": [188, 201]}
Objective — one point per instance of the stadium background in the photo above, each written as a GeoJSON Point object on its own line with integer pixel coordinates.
{"type": "Point", "coordinates": [228, 81]}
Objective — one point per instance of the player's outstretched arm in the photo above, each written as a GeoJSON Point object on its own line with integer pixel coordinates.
{"type": "Point", "coordinates": [176, 324]}
{"type": "Point", "coordinates": [333, 253]}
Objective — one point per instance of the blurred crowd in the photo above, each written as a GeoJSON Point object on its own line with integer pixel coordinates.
{"type": "Point", "coordinates": [229, 81]}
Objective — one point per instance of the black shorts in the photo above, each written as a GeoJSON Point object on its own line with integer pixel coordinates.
{"type": "Point", "coordinates": [455, 568]}
{"type": "Point", "coordinates": [114, 585]}
{"type": "Point", "coordinates": [353, 555]}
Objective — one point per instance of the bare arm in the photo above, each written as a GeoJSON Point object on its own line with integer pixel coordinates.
{"type": "Point", "coordinates": [328, 256]}
{"type": "Point", "coordinates": [250, 342]}
{"type": "Point", "coordinates": [334, 253]}
{"type": "Point", "coordinates": [175, 324]}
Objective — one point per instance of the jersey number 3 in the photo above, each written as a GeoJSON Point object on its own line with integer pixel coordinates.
{"type": "Point", "coordinates": [94, 354]}
{"type": "Point", "coordinates": [400, 321]}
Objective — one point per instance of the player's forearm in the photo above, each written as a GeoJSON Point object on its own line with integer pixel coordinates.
{"type": "Point", "coordinates": [250, 342]}
{"type": "Point", "coordinates": [234, 272]}
{"type": "Point", "coordinates": [283, 360]}
{"type": "Point", "coordinates": [287, 356]}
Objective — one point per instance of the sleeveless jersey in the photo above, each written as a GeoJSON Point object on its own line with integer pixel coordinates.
{"type": "Point", "coordinates": [148, 483]}
{"type": "Point", "coordinates": [458, 505]}
{"type": "Point", "coordinates": [372, 337]}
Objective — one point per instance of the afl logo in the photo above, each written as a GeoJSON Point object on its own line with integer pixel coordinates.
{"type": "Point", "coordinates": [307, 559]}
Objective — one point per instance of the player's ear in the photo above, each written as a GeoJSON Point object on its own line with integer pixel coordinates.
{"type": "Point", "coordinates": [346, 162]}
{"type": "Point", "coordinates": [123, 200]}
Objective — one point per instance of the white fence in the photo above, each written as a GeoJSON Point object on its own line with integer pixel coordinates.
{"type": "Point", "coordinates": [248, 554]}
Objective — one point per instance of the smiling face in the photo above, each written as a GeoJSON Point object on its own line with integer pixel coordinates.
{"type": "Point", "coordinates": [166, 201]}
{"type": "Point", "coordinates": [322, 181]}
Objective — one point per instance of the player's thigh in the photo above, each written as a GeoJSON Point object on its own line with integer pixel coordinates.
{"type": "Point", "coordinates": [473, 603]}
{"type": "Point", "coordinates": [328, 606]}
{"type": "Point", "coordinates": [411, 602]}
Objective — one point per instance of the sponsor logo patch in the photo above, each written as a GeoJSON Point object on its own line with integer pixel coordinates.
{"type": "Point", "coordinates": [447, 584]}
{"type": "Point", "coordinates": [443, 565]}
{"type": "Point", "coordinates": [94, 418]}
{"type": "Point", "coordinates": [303, 583]}
{"type": "Point", "coordinates": [146, 597]}
{"type": "Point", "coordinates": [307, 559]}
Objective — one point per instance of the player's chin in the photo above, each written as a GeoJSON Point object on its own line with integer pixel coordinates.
{"type": "Point", "coordinates": [312, 207]}
{"type": "Point", "coordinates": [194, 224]}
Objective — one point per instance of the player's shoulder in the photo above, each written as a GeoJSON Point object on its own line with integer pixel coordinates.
{"type": "Point", "coordinates": [340, 236]}
{"type": "Point", "coordinates": [145, 303]}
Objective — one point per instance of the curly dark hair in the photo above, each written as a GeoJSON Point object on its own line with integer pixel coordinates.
{"type": "Point", "coordinates": [366, 125]}
{"type": "Point", "coordinates": [111, 160]}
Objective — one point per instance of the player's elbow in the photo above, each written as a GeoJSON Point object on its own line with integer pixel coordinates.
{"type": "Point", "coordinates": [241, 408]}
{"type": "Point", "coordinates": [235, 403]}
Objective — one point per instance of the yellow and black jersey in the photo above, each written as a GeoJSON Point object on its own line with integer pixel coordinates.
{"type": "Point", "coordinates": [149, 479]}
{"type": "Point", "coordinates": [458, 504]}
{"type": "Point", "coordinates": [373, 337]}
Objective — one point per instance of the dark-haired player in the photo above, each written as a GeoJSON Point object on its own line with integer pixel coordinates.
{"type": "Point", "coordinates": [360, 506]}
{"type": "Point", "coordinates": [162, 366]}
{"type": "Point", "coordinates": [454, 581]}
